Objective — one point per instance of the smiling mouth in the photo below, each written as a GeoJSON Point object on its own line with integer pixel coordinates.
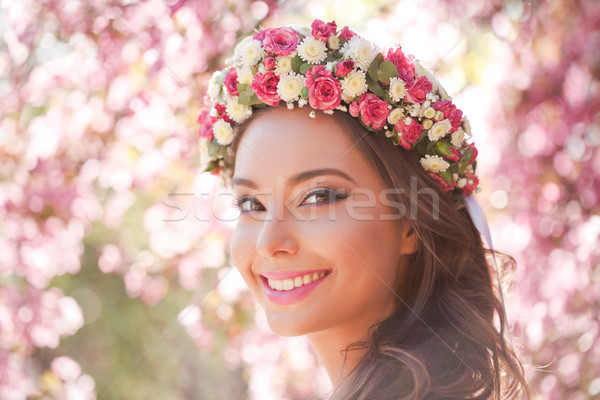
{"type": "Point", "coordinates": [298, 281]}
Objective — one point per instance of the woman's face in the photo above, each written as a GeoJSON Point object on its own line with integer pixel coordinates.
{"type": "Point", "coordinates": [297, 225]}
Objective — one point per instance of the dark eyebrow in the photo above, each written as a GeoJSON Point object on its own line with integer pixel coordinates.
{"type": "Point", "coordinates": [300, 177]}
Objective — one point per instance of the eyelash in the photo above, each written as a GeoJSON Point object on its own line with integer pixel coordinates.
{"type": "Point", "coordinates": [237, 203]}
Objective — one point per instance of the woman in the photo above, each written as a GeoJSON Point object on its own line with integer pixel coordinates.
{"type": "Point", "coordinates": [350, 168]}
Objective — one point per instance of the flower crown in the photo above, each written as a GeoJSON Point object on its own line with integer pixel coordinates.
{"type": "Point", "coordinates": [329, 70]}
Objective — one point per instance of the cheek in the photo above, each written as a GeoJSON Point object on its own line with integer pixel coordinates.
{"type": "Point", "coordinates": [242, 250]}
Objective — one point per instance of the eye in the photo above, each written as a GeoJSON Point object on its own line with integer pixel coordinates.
{"type": "Point", "coordinates": [246, 204]}
{"type": "Point", "coordinates": [323, 193]}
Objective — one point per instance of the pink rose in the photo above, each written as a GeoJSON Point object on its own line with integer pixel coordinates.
{"type": "Point", "coordinates": [324, 91]}
{"type": "Point", "coordinates": [441, 183]}
{"type": "Point", "coordinates": [269, 63]}
{"type": "Point", "coordinates": [344, 68]}
{"type": "Point", "coordinates": [322, 30]}
{"type": "Point", "coordinates": [404, 64]}
{"type": "Point", "coordinates": [231, 82]}
{"type": "Point", "coordinates": [265, 87]}
{"type": "Point", "coordinates": [346, 33]}
{"type": "Point", "coordinates": [455, 156]}
{"type": "Point", "coordinates": [417, 92]}
{"type": "Point", "coordinates": [221, 113]}
{"type": "Point", "coordinates": [470, 187]}
{"type": "Point", "coordinates": [206, 125]}
{"type": "Point", "coordinates": [408, 133]}
{"type": "Point", "coordinates": [450, 112]}
{"type": "Point", "coordinates": [373, 111]}
{"type": "Point", "coordinates": [281, 41]}
{"type": "Point", "coordinates": [260, 36]}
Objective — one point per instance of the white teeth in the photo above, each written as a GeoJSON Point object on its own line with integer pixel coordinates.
{"type": "Point", "coordinates": [289, 284]}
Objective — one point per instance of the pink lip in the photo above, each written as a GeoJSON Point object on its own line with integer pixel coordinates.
{"type": "Point", "coordinates": [285, 297]}
{"type": "Point", "coordinates": [281, 275]}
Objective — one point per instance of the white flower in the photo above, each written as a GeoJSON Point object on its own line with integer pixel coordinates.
{"type": "Point", "coordinates": [290, 86]}
{"type": "Point", "coordinates": [329, 66]}
{"type": "Point", "coordinates": [252, 52]}
{"type": "Point", "coordinates": [214, 89]}
{"type": "Point", "coordinates": [204, 156]}
{"type": "Point", "coordinates": [395, 116]}
{"type": "Point", "coordinates": [429, 112]}
{"type": "Point", "coordinates": [312, 50]}
{"type": "Point", "coordinates": [397, 89]}
{"type": "Point", "coordinates": [434, 163]}
{"type": "Point", "coordinates": [462, 182]}
{"type": "Point", "coordinates": [467, 126]}
{"type": "Point", "coordinates": [283, 65]}
{"type": "Point", "coordinates": [238, 51]}
{"type": "Point", "coordinates": [439, 116]}
{"type": "Point", "coordinates": [354, 84]}
{"type": "Point", "coordinates": [443, 93]}
{"type": "Point", "coordinates": [302, 103]}
{"type": "Point", "coordinates": [439, 130]}
{"type": "Point", "coordinates": [458, 137]}
{"type": "Point", "coordinates": [238, 112]}
{"type": "Point", "coordinates": [301, 29]}
{"type": "Point", "coordinates": [360, 51]}
{"type": "Point", "coordinates": [245, 75]}
{"type": "Point", "coordinates": [427, 124]}
{"type": "Point", "coordinates": [333, 42]}
{"type": "Point", "coordinates": [223, 132]}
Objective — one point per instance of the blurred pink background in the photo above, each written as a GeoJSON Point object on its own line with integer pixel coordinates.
{"type": "Point", "coordinates": [115, 282]}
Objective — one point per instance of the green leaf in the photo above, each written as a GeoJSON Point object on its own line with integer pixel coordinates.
{"type": "Point", "coordinates": [386, 71]}
{"type": "Point", "coordinates": [221, 78]}
{"type": "Point", "coordinates": [297, 63]}
{"type": "Point", "coordinates": [373, 70]}
{"type": "Point", "coordinates": [375, 87]}
{"type": "Point", "coordinates": [304, 67]}
{"type": "Point", "coordinates": [395, 137]}
{"type": "Point", "coordinates": [242, 87]}
{"type": "Point", "coordinates": [211, 166]}
{"type": "Point", "coordinates": [465, 159]}
{"type": "Point", "coordinates": [447, 176]}
{"type": "Point", "coordinates": [304, 92]}
{"type": "Point", "coordinates": [442, 148]}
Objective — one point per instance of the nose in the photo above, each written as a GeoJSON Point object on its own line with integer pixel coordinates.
{"type": "Point", "coordinates": [276, 236]}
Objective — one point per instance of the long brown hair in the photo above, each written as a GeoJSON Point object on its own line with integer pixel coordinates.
{"type": "Point", "coordinates": [442, 342]}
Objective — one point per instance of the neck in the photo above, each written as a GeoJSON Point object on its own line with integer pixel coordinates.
{"type": "Point", "coordinates": [330, 347]}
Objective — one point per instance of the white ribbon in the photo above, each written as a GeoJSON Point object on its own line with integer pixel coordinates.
{"type": "Point", "coordinates": [481, 223]}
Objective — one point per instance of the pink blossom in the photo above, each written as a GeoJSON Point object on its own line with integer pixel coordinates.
{"type": "Point", "coordinates": [450, 111]}
{"type": "Point", "coordinates": [281, 41]}
{"type": "Point", "coordinates": [265, 87]}
{"type": "Point", "coordinates": [455, 156]}
{"type": "Point", "coordinates": [404, 64]}
{"type": "Point", "coordinates": [408, 133]}
{"type": "Point", "coordinates": [373, 111]}
{"type": "Point", "coordinates": [231, 82]}
{"type": "Point", "coordinates": [206, 125]}
{"type": "Point", "coordinates": [322, 30]}
{"type": "Point", "coordinates": [346, 33]}
{"type": "Point", "coordinates": [221, 113]}
{"type": "Point", "coordinates": [269, 63]}
{"type": "Point", "coordinates": [470, 187]}
{"type": "Point", "coordinates": [343, 68]}
{"type": "Point", "coordinates": [441, 183]}
{"type": "Point", "coordinates": [260, 36]}
{"type": "Point", "coordinates": [417, 92]}
{"type": "Point", "coordinates": [324, 91]}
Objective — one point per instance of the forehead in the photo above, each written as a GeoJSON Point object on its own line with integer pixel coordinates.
{"type": "Point", "coordinates": [282, 142]}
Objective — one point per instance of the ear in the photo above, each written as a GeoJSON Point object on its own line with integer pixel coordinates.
{"type": "Point", "coordinates": [409, 240]}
